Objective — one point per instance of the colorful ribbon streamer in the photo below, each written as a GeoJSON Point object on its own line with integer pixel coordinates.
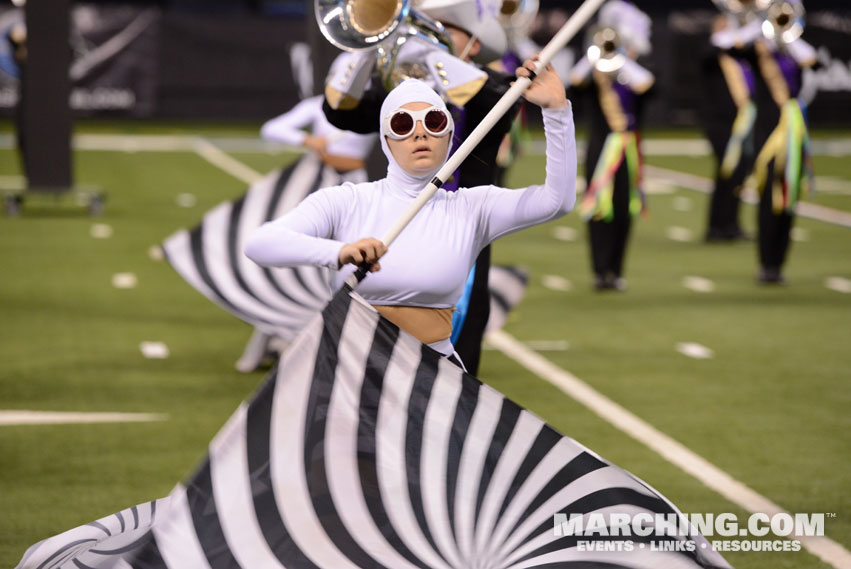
{"type": "Point", "coordinates": [742, 128]}
{"type": "Point", "coordinates": [789, 147]}
{"type": "Point", "coordinates": [597, 202]}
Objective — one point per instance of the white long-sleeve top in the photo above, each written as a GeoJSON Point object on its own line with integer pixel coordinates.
{"type": "Point", "coordinates": [428, 263]}
{"type": "Point", "coordinates": [307, 114]}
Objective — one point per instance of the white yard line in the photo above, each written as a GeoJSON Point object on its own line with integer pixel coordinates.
{"type": "Point", "coordinates": [838, 284]}
{"type": "Point", "coordinates": [698, 284]}
{"type": "Point", "coordinates": [162, 143]}
{"type": "Point", "coordinates": [676, 453]}
{"type": "Point", "coordinates": [212, 154]}
{"type": "Point", "coordinates": [704, 185]}
{"type": "Point", "coordinates": [680, 234]}
{"type": "Point", "coordinates": [836, 147]}
{"type": "Point", "coordinates": [20, 417]}
{"type": "Point", "coordinates": [134, 143]}
{"type": "Point", "coordinates": [215, 155]}
{"type": "Point", "coordinates": [557, 283]}
{"type": "Point", "coordinates": [13, 181]}
{"type": "Point", "coordinates": [178, 142]}
{"type": "Point", "coordinates": [833, 186]}
{"type": "Point", "coordinates": [694, 350]}
{"type": "Point", "coordinates": [536, 345]}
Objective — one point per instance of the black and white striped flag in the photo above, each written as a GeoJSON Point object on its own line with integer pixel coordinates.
{"type": "Point", "coordinates": [280, 301]}
{"type": "Point", "coordinates": [210, 256]}
{"type": "Point", "coordinates": [367, 449]}
{"type": "Point", "coordinates": [506, 285]}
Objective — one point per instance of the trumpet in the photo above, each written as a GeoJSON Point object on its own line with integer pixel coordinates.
{"type": "Point", "coordinates": [605, 51]}
{"type": "Point", "coordinates": [401, 42]}
{"type": "Point", "coordinates": [784, 21]}
{"type": "Point", "coordinates": [517, 15]}
{"type": "Point", "coordinates": [382, 25]}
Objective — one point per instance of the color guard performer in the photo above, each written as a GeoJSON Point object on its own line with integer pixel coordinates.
{"type": "Point", "coordinates": [476, 37]}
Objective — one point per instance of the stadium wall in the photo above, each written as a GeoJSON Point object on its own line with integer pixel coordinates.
{"type": "Point", "coordinates": [148, 62]}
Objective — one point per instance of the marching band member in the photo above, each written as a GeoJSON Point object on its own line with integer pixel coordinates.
{"type": "Point", "coordinates": [728, 112]}
{"type": "Point", "coordinates": [783, 171]}
{"type": "Point", "coordinates": [613, 159]}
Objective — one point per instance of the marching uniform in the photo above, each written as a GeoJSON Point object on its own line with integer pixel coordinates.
{"type": "Point", "coordinates": [727, 113]}
{"type": "Point", "coordinates": [613, 164]}
{"type": "Point", "coordinates": [783, 169]}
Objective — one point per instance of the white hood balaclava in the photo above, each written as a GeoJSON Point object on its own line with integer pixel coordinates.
{"type": "Point", "coordinates": [410, 91]}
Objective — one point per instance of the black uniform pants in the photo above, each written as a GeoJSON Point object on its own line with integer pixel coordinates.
{"type": "Point", "coordinates": [774, 229]}
{"type": "Point", "coordinates": [724, 201]}
{"type": "Point", "coordinates": [608, 239]}
{"type": "Point", "coordinates": [469, 344]}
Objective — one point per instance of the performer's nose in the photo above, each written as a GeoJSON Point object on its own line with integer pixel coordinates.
{"type": "Point", "coordinates": [419, 130]}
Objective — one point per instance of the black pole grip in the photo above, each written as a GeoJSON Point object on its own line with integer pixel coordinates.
{"type": "Point", "coordinates": [362, 271]}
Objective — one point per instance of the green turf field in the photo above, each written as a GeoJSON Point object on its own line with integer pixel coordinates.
{"type": "Point", "coordinates": [770, 408]}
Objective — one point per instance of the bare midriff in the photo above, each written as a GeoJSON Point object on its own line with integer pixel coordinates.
{"type": "Point", "coordinates": [343, 163]}
{"type": "Point", "coordinates": [428, 325]}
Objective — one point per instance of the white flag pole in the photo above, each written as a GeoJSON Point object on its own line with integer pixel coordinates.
{"type": "Point", "coordinates": [564, 35]}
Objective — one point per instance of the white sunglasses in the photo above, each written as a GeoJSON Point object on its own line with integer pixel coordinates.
{"type": "Point", "coordinates": [400, 124]}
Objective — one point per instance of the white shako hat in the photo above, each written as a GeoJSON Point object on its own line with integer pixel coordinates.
{"type": "Point", "coordinates": [477, 17]}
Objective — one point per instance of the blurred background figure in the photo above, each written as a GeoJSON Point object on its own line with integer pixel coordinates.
{"type": "Point", "coordinates": [516, 17]}
{"type": "Point", "coordinates": [343, 155]}
{"type": "Point", "coordinates": [521, 20]}
{"type": "Point", "coordinates": [783, 168]}
{"type": "Point", "coordinates": [16, 66]}
{"type": "Point", "coordinates": [728, 112]}
{"type": "Point", "coordinates": [277, 303]}
{"type": "Point", "coordinates": [617, 85]}
{"type": "Point", "coordinates": [448, 44]}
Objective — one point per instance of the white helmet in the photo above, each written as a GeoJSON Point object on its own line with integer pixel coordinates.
{"type": "Point", "coordinates": [480, 18]}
